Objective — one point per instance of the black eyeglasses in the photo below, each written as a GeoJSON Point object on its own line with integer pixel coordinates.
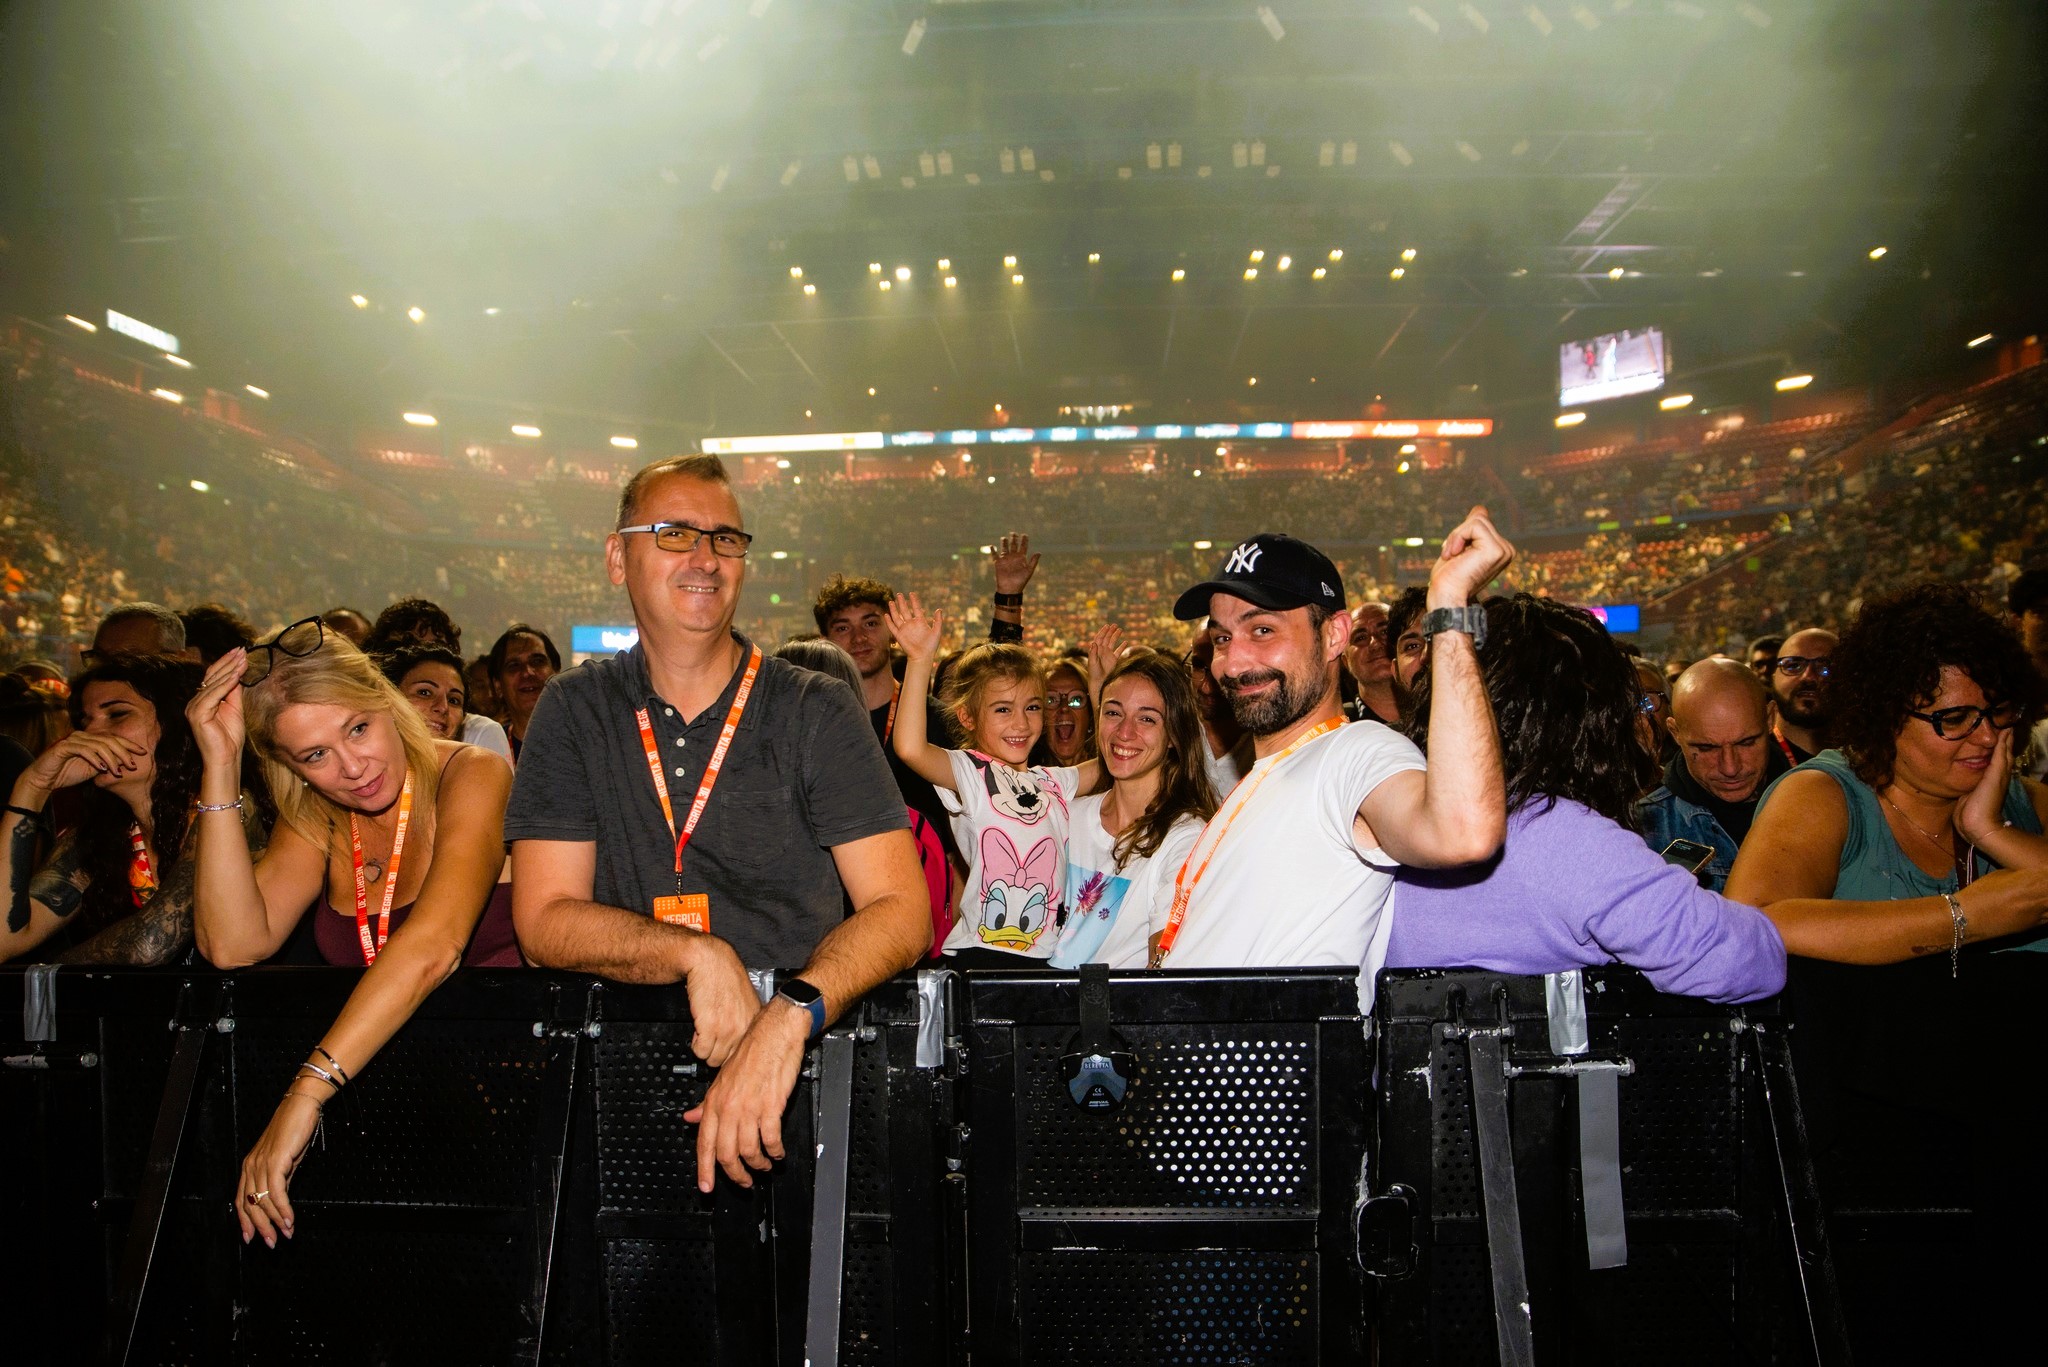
{"type": "Point", "coordinates": [1650, 701]}
{"type": "Point", "coordinates": [1799, 664]}
{"type": "Point", "coordinates": [1066, 700]}
{"type": "Point", "coordinates": [682, 538]}
{"type": "Point", "coordinates": [296, 641]}
{"type": "Point", "coordinates": [1954, 723]}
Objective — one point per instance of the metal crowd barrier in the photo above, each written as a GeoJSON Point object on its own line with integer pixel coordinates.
{"type": "Point", "coordinates": [983, 1167]}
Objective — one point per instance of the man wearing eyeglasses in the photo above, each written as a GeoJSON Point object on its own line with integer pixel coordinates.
{"type": "Point", "coordinates": [1799, 694]}
{"type": "Point", "coordinates": [690, 810]}
{"type": "Point", "coordinates": [1369, 659]}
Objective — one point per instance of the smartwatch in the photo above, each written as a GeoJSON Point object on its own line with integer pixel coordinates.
{"type": "Point", "coordinates": [797, 992]}
{"type": "Point", "coordinates": [1470, 619]}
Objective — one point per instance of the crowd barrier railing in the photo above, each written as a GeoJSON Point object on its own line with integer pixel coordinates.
{"type": "Point", "coordinates": [1230, 1167]}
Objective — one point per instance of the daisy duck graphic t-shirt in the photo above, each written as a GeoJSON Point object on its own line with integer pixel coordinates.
{"type": "Point", "coordinates": [1011, 825]}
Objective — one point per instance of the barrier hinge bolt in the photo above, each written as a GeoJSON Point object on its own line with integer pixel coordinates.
{"type": "Point", "coordinates": [540, 1030]}
{"type": "Point", "coordinates": [225, 1025]}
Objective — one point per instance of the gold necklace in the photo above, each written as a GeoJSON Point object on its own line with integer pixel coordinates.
{"type": "Point", "coordinates": [1964, 866]}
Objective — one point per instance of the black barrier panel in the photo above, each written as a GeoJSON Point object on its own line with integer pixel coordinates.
{"type": "Point", "coordinates": [1205, 1219]}
{"type": "Point", "coordinates": [1711, 1274]}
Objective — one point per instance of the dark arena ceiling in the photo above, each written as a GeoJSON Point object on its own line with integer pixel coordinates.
{"type": "Point", "coordinates": [599, 205]}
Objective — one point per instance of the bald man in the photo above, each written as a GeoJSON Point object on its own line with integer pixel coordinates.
{"type": "Point", "coordinates": [1369, 658]}
{"type": "Point", "coordinates": [1798, 681]}
{"type": "Point", "coordinates": [1720, 721]}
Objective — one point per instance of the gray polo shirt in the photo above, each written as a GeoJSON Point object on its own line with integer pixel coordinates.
{"type": "Point", "coordinates": [804, 774]}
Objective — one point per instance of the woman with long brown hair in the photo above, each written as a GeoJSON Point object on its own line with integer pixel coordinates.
{"type": "Point", "coordinates": [1124, 846]}
{"type": "Point", "coordinates": [373, 811]}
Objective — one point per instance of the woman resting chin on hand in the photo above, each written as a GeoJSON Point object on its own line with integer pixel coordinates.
{"type": "Point", "coordinates": [391, 838]}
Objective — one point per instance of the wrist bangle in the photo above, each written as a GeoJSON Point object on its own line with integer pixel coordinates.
{"type": "Point", "coordinates": [29, 816]}
{"type": "Point", "coordinates": [332, 1062]}
{"type": "Point", "coordinates": [1959, 925]}
{"type": "Point", "coordinates": [317, 1071]}
{"type": "Point", "coordinates": [1009, 600]}
{"type": "Point", "coordinates": [234, 806]}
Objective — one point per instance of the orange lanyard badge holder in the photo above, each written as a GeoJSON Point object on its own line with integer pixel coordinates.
{"type": "Point", "coordinates": [693, 910]}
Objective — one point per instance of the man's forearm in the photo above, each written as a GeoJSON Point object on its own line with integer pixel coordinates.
{"type": "Point", "coordinates": [869, 947]}
{"type": "Point", "coordinates": [1464, 795]}
{"type": "Point", "coordinates": [590, 937]}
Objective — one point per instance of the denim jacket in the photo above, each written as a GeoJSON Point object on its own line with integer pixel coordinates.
{"type": "Point", "coordinates": [1665, 817]}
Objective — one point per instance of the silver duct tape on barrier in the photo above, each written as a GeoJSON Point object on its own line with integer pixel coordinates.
{"type": "Point", "coordinates": [763, 980]}
{"type": "Point", "coordinates": [828, 1209]}
{"type": "Point", "coordinates": [39, 1004]}
{"type": "Point", "coordinates": [1564, 997]}
{"type": "Point", "coordinates": [932, 984]}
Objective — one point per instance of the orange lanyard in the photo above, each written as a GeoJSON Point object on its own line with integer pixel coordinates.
{"type": "Point", "coordinates": [732, 722]}
{"type": "Point", "coordinates": [141, 873]}
{"type": "Point", "coordinates": [355, 842]}
{"type": "Point", "coordinates": [1240, 798]}
{"type": "Point", "coordinates": [889, 726]}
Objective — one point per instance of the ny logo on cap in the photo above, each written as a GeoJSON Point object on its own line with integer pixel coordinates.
{"type": "Point", "coordinates": [1245, 559]}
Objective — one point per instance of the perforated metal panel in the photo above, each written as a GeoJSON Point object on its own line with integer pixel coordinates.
{"type": "Point", "coordinates": [135, 1053]}
{"type": "Point", "coordinates": [867, 1169]}
{"type": "Point", "coordinates": [1461, 1307]}
{"type": "Point", "coordinates": [445, 1116]}
{"type": "Point", "coordinates": [1221, 1307]}
{"type": "Point", "coordinates": [867, 1307]}
{"type": "Point", "coordinates": [661, 1301]}
{"type": "Point", "coordinates": [1454, 1153]}
{"type": "Point", "coordinates": [647, 1156]}
{"type": "Point", "coordinates": [1679, 1115]}
{"type": "Point", "coordinates": [345, 1294]}
{"type": "Point", "coordinates": [1219, 1116]}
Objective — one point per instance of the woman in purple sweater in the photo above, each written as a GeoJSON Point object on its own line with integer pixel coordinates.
{"type": "Point", "coordinates": [1574, 885]}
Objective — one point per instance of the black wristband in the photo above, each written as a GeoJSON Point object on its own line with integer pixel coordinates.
{"type": "Point", "coordinates": [28, 818]}
{"type": "Point", "coordinates": [1009, 600]}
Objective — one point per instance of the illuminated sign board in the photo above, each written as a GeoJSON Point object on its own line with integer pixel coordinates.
{"type": "Point", "coordinates": [1619, 617]}
{"type": "Point", "coordinates": [802, 441]}
{"type": "Point", "coordinates": [141, 332]}
{"type": "Point", "coordinates": [1399, 430]}
{"type": "Point", "coordinates": [586, 643]}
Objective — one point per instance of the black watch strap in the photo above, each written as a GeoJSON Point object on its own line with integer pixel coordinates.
{"type": "Point", "coordinates": [1470, 619]}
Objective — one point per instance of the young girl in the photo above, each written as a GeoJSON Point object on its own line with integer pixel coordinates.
{"type": "Point", "coordinates": [1009, 817]}
{"type": "Point", "coordinates": [1126, 845]}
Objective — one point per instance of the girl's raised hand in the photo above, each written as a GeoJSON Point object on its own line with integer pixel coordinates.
{"type": "Point", "coordinates": [916, 631]}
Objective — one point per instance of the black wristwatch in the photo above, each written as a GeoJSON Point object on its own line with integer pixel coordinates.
{"type": "Point", "coordinates": [797, 992]}
{"type": "Point", "coordinates": [1009, 600]}
{"type": "Point", "coordinates": [1470, 619]}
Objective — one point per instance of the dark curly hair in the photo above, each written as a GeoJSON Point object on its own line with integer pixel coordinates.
{"type": "Point", "coordinates": [1565, 702]}
{"type": "Point", "coordinates": [102, 830]}
{"type": "Point", "coordinates": [403, 623]}
{"type": "Point", "coordinates": [1889, 663]}
{"type": "Point", "coordinates": [213, 630]}
{"type": "Point", "coordinates": [842, 592]}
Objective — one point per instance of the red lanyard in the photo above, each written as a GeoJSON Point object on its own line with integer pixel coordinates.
{"type": "Point", "coordinates": [355, 842]}
{"type": "Point", "coordinates": [141, 873]}
{"type": "Point", "coordinates": [1784, 745]}
{"type": "Point", "coordinates": [732, 722]}
{"type": "Point", "coordinates": [1240, 797]}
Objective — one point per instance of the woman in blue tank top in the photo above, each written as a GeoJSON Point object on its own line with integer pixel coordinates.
{"type": "Point", "coordinates": [1914, 835]}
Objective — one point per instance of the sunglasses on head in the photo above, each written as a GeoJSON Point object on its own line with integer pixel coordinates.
{"type": "Point", "coordinates": [296, 641]}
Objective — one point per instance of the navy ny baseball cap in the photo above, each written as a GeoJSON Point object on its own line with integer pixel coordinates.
{"type": "Point", "coordinates": [1272, 569]}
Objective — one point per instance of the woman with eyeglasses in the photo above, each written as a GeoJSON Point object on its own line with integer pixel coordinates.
{"type": "Point", "coordinates": [390, 837]}
{"type": "Point", "coordinates": [1918, 801]}
{"type": "Point", "coordinates": [522, 662]}
{"type": "Point", "coordinates": [1069, 739]}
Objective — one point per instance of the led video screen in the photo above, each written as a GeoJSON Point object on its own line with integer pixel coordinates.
{"type": "Point", "coordinates": [1611, 366]}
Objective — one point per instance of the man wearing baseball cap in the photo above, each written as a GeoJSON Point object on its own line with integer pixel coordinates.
{"type": "Point", "coordinates": [1296, 867]}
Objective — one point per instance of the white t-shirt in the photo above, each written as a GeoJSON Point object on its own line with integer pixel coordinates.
{"type": "Point", "coordinates": [1011, 825]}
{"type": "Point", "coordinates": [1111, 911]}
{"type": "Point", "coordinates": [485, 733]}
{"type": "Point", "coordinates": [1288, 886]}
{"type": "Point", "coordinates": [1227, 768]}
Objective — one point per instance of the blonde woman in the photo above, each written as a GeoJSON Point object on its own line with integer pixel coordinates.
{"type": "Point", "coordinates": [392, 838]}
